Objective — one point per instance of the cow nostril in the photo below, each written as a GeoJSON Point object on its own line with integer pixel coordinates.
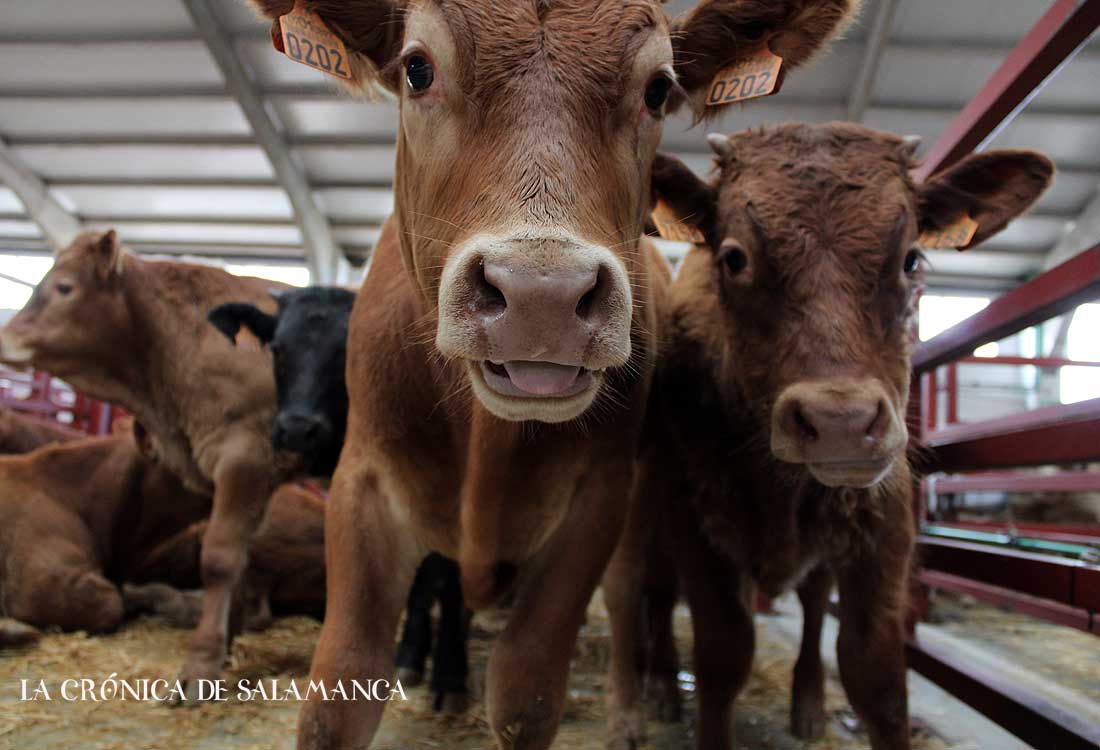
{"type": "Point", "coordinates": [591, 302]}
{"type": "Point", "coordinates": [876, 428]}
{"type": "Point", "coordinates": [488, 298]}
{"type": "Point", "coordinates": [806, 430]}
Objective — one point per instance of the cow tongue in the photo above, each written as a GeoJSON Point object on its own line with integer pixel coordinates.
{"type": "Point", "coordinates": [542, 378]}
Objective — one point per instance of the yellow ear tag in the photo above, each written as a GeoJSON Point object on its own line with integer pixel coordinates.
{"type": "Point", "coordinates": [957, 234]}
{"type": "Point", "coordinates": [672, 228]}
{"type": "Point", "coordinates": [758, 75]}
{"type": "Point", "coordinates": [306, 39]}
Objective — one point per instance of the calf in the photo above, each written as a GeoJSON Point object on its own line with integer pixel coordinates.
{"type": "Point", "coordinates": [134, 332]}
{"type": "Point", "coordinates": [500, 354]}
{"type": "Point", "coordinates": [781, 403]}
{"type": "Point", "coordinates": [84, 518]}
{"type": "Point", "coordinates": [308, 341]}
{"type": "Point", "coordinates": [22, 434]}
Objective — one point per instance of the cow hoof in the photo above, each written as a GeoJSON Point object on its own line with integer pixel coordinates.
{"type": "Point", "coordinates": [14, 633]}
{"type": "Point", "coordinates": [452, 704]}
{"type": "Point", "coordinates": [409, 677]}
{"type": "Point", "coordinates": [809, 723]}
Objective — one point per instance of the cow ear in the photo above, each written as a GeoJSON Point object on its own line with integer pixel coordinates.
{"type": "Point", "coordinates": [108, 253]}
{"type": "Point", "coordinates": [371, 30]}
{"type": "Point", "coordinates": [718, 33]}
{"type": "Point", "coordinates": [229, 318]}
{"type": "Point", "coordinates": [691, 199]}
{"type": "Point", "coordinates": [992, 188]}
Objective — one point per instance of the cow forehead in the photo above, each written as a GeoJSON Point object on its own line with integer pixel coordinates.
{"type": "Point", "coordinates": [820, 187]}
{"type": "Point", "coordinates": [585, 45]}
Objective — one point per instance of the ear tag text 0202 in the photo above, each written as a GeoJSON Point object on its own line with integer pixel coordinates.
{"type": "Point", "coordinates": [307, 40]}
{"type": "Point", "coordinates": [760, 74]}
{"type": "Point", "coordinates": [957, 234]}
{"type": "Point", "coordinates": [672, 228]}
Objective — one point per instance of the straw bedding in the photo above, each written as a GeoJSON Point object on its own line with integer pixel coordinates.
{"type": "Point", "coordinates": [148, 649]}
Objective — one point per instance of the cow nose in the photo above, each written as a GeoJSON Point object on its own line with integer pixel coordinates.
{"type": "Point", "coordinates": [562, 297]}
{"type": "Point", "coordinates": [854, 424]}
{"type": "Point", "coordinates": [297, 432]}
{"type": "Point", "coordinates": [839, 421]}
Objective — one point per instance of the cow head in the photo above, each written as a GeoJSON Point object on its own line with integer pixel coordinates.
{"type": "Point", "coordinates": [77, 310]}
{"type": "Point", "coordinates": [308, 342]}
{"type": "Point", "coordinates": [527, 130]}
{"type": "Point", "coordinates": [812, 232]}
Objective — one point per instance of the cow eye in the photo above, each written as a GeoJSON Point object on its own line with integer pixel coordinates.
{"type": "Point", "coordinates": [419, 74]}
{"type": "Point", "coordinates": [912, 262]}
{"type": "Point", "coordinates": [733, 257]}
{"type": "Point", "coordinates": [64, 289]}
{"type": "Point", "coordinates": [656, 93]}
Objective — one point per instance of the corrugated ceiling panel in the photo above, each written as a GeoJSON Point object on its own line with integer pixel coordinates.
{"type": "Point", "coordinates": [347, 163]}
{"type": "Point", "coordinates": [145, 162]}
{"type": "Point", "coordinates": [9, 204]}
{"type": "Point", "coordinates": [355, 204]}
{"type": "Point", "coordinates": [989, 21]}
{"type": "Point", "coordinates": [101, 202]}
{"type": "Point", "coordinates": [338, 117]}
{"type": "Point", "coordinates": [41, 67]}
{"type": "Point", "coordinates": [259, 234]}
{"type": "Point", "coordinates": [93, 18]}
{"type": "Point", "coordinates": [158, 116]}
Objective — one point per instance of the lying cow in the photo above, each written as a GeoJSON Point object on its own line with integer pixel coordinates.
{"type": "Point", "coordinates": [781, 444]}
{"type": "Point", "coordinates": [20, 433]}
{"type": "Point", "coordinates": [500, 354]}
{"type": "Point", "coordinates": [89, 522]}
{"type": "Point", "coordinates": [134, 332]}
{"type": "Point", "coordinates": [308, 340]}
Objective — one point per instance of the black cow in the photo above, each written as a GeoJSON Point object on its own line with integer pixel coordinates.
{"type": "Point", "coordinates": [308, 341]}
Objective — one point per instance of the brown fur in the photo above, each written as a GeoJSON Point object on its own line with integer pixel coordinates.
{"type": "Point", "coordinates": [824, 294]}
{"type": "Point", "coordinates": [83, 518]}
{"type": "Point", "coordinates": [20, 433]}
{"type": "Point", "coordinates": [135, 333]}
{"type": "Point", "coordinates": [535, 121]}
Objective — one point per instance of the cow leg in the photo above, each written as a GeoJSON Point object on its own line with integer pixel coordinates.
{"type": "Point", "coordinates": [416, 637]}
{"type": "Point", "coordinates": [724, 636]}
{"type": "Point", "coordinates": [180, 609]}
{"type": "Point", "coordinates": [664, 671]}
{"type": "Point", "coordinates": [14, 633]}
{"type": "Point", "coordinates": [450, 668]}
{"type": "Point", "coordinates": [242, 485]}
{"type": "Point", "coordinates": [808, 692]}
{"type": "Point", "coordinates": [529, 665]}
{"type": "Point", "coordinates": [66, 590]}
{"type": "Point", "coordinates": [871, 648]}
{"type": "Point", "coordinates": [365, 596]}
{"type": "Point", "coordinates": [622, 592]}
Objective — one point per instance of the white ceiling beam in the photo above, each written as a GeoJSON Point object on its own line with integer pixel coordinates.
{"type": "Point", "coordinates": [877, 39]}
{"type": "Point", "coordinates": [57, 224]}
{"type": "Point", "coordinates": [324, 256]}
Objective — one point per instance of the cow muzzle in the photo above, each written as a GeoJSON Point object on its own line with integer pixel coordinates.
{"type": "Point", "coordinates": [537, 320]}
{"type": "Point", "coordinates": [14, 352]}
{"type": "Point", "coordinates": [846, 431]}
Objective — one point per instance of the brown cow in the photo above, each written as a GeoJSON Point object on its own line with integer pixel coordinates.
{"type": "Point", "coordinates": [500, 354]}
{"type": "Point", "coordinates": [781, 453]}
{"type": "Point", "coordinates": [20, 433]}
{"type": "Point", "coordinates": [84, 518]}
{"type": "Point", "coordinates": [134, 332]}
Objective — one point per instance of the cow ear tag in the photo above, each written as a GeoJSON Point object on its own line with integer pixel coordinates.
{"type": "Point", "coordinates": [672, 228]}
{"type": "Point", "coordinates": [760, 74]}
{"type": "Point", "coordinates": [958, 234]}
{"type": "Point", "coordinates": [306, 39]}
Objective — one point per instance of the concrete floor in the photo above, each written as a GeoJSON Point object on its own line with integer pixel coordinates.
{"type": "Point", "coordinates": [148, 649]}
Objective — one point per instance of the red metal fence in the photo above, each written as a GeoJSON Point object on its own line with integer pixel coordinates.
{"type": "Point", "coordinates": [38, 394]}
{"type": "Point", "coordinates": [1046, 571]}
